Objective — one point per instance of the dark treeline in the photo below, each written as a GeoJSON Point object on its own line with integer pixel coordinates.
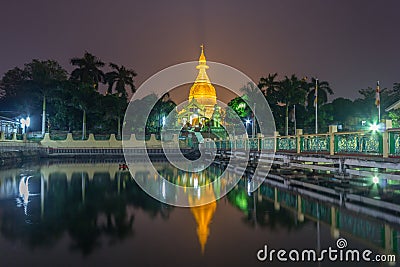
{"type": "Point", "coordinates": [73, 102]}
{"type": "Point", "coordinates": [69, 101]}
{"type": "Point", "coordinates": [292, 98]}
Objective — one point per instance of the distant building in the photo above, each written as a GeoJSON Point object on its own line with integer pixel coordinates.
{"type": "Point", "coordinates": [395, 105]}
{"type": "Point", "coordinates": [8, 125]}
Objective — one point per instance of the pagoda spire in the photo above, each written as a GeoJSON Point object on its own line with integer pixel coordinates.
{"type": "Point", "coordinates": [202, 58]}
{"type": "Point", "coordinates": [202, 76]}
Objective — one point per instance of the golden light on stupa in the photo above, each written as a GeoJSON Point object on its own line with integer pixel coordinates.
{"type": "Point", "coordinates": [202, 90]}
{"type": "Point", "coordinates": [202, 100]}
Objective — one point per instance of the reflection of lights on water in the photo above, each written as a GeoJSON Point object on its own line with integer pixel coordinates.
{"type": "Point", "coordinates": [163, 189]}
{"type": "Point", "coordinates": [24, 192]}
{"type": "Point", "coordinates": [198, 193]}
{"type": "Point", "coordinates": [249, 187]}
{"type": "Point", "coordinates": [196, 183]}
{"type": "Point", "coordinates": [375, 179]}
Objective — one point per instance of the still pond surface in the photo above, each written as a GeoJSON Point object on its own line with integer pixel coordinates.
{"type": "Point", "coordinates": [93, 214]}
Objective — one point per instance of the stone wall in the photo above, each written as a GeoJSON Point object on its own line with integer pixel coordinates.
{"type": "Point", "coordinates": [133, 142]}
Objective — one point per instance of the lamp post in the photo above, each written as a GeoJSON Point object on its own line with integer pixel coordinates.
{"type": "Point", "coordinates": [254, 129]}
{"type": "Point", "coordinates": [316, 106]}
{"type": "Point", "coordinates": [294, 119]}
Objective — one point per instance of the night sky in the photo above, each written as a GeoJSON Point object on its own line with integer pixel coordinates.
{"type": "Point", "coordinates": [351, 44]}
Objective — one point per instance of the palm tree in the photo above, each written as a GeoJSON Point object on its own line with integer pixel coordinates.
{"type": "Point", "coordinates": [120, 77]}
{"type": "Point", "coordinates": [291, 91]}
{"type": "Point", "coordinates": [323, 90]}
{"type": "Point", "coordinates": [88, 70]}
{"type": "Point", "coordinates": [89, 75]}
{"type": "Point", "coordinates": [269, 85]}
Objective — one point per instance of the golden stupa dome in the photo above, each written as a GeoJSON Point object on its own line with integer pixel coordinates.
{"type": "Point", "coordinates": [202, 90]}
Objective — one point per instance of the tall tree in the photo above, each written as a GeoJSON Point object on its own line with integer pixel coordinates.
{"type": "Point", "coordinates": [88, 70]}
{"type": "Point", "coordinates": [342, 111]}
{"type": "Point", "coordinates": [291, 91]}
{"type": "Point", "coordinates": [270, 88]}
{"type": "Point", "coordinates": [323, 90]}
{"type": "Point", "coordinates": [14, 98]}
{"type": "Point", "coordinates": [11, 82]}
{"type": "Point", "coordinates": [365, 108]}
{"type": "Point", "coordinates": [38, 80]}
{"type": "Point", "coordinates": [120, 78]}
{"type": "Point", "coordinates": [89, 75]}
{"type": "Point", "coordinates": [44, 77]}
{"type": "Point", "coordinates": [84, 99]}
{"type": "Point", "coordinates": [269, 85]}
{"type": "Point", "coordinates": [114, 107]}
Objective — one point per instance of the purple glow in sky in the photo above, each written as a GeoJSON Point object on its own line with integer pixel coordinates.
{"type": "Point", "coordinates": [351, 44]}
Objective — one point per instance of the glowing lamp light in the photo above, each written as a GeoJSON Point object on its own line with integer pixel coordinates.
{"type": "Point", "coordinates": [374, 127]}
{"type": "Point", "coordinates": [26, 122]}
{"type": "Point", "coordinates": [375, 179]}
{"type": "Point", "coordinates": [248, 121]}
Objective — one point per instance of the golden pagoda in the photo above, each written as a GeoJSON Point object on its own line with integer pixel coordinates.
{"type": "Point", "coordinates": [202, 90]}
{"type": "Point", "coordinates": [202, 104]}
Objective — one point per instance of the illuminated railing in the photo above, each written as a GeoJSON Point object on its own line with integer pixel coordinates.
{"type": "Point", "coordinates": [268, 143]}
{"type": "Point", "coordinates": [394, 142]}
{"type": "Point", "coordinates": [370, 143]}
{"type": "Point", "coordinates": [286, 143]}
{"type": "Point", "coordinates": [315, 143]}
{"type": "Point", "coordinates": [240, 143]}
{"type": "Point", "coordinates": [252, 143]}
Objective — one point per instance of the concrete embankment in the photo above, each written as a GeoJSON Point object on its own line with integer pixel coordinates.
{"type": "Point", "coordinates": [14, 157]}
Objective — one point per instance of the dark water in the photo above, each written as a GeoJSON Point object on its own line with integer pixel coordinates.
{"type": "Point", "coordinates": [86, 214]}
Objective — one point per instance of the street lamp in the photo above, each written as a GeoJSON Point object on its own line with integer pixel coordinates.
{"type": "Point", "coordinates": [374, 127]}
{"type": "Point", "coordinates": [248, 121]}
